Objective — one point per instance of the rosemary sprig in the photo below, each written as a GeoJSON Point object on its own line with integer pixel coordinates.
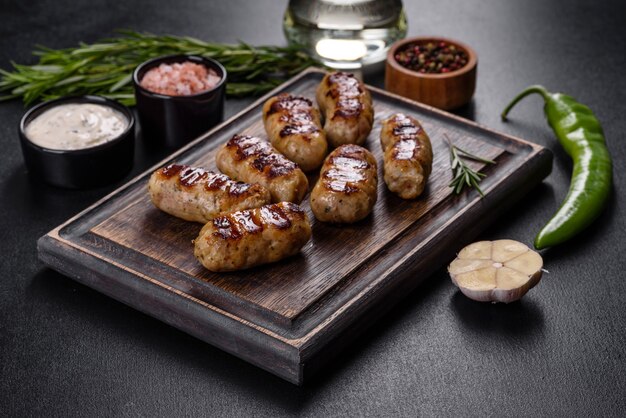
{"type": "Point", "coordinates": [462, 174]}
{"type": "Point", "coordinates": [105, 67]}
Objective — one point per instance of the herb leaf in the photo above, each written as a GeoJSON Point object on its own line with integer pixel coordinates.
{"type": "Point", "coordinates": [104, 68]}
{"type": "Point", "coordinates": [462, 174]}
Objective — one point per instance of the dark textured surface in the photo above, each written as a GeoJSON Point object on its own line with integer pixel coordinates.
{"type": "Point", "coordinates": [66, 350]}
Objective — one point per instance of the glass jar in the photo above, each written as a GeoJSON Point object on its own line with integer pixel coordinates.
{"type": "Point", "coordinates": [345, 34]}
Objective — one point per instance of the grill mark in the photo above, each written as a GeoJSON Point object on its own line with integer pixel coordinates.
{"type": "Point", "coordinates": [298, 130]}
{"type": "Point", "coordinates": [217, 182]}
{"type": "Point", "coordinates": [248, 222]}
{"type": "Point", "coordinates": [247, 146]}
{"type": "Point", "coordinates": [341, 187]}
{"type": "Point", "coordinates": [405, 149]}
{"type": "Point", "coordinates": [301, 117]}
{"type": "Point", "coordinates": [226, 228]}
{"type": "Point", "coordinates": [340, 179]}
{"type": "Point", "coordinates": [266, 160]}
{"type": "Point", "coordinates": [287, 102]}
{"type": "Point", "coordinates": [171, 170]}
{"type": "Point", "coordinates": [213, 182]}
{"type": "Point", "coordinates": [404, 125]}
{"type": "Point", "coordinates": [345, 170]}
{"type": "Point", "coordinates": [237, 189]}
{"type": "Point", "coordinates": [406, 131]}
{"type": "Point", "coordinates": [275, 216]}
{"type": "Point", "coordinates": [237, 224]}
{"type": "Point", "coordinates": [346, 113]}
{"type": "Point", "coordinates": [296, 114]}
{"type": "Point", "coordinates": [349, 162]}
{"type": "Point", "coordinates": [350, 151]}
{"type": "Point", "coordinates": [344, 80]}
{"type": "Point", "coordinates": [191, 176]}
{"type": "Point", "coordinates": [346, 90]}
{"type": "Point", "coordinates": [291, 208]}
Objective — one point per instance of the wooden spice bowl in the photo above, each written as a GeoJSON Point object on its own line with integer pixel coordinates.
{"type": "Point", "coordinates": [442, 90]}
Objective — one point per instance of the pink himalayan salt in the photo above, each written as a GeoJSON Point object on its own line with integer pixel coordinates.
{"type": "Point", "coordinates": [180, 79]}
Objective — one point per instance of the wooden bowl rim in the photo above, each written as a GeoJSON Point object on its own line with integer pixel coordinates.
{"type": "Point", "coordinates": [471, 64]}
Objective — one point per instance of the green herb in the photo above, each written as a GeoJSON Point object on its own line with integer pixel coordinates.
{"type": "Point", "coordinates": [462, 173]}
{"type": "Point", "coordinates": [105, 68]}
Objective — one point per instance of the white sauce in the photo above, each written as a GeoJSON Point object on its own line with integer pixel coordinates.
{"type": "Point", "coordinates": [76, 126]}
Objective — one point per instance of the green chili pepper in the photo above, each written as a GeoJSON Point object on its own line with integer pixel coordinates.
{"type": "Point", "coordinates": [581, 136]}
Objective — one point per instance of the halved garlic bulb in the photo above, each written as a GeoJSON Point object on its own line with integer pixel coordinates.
{"type": "Point", "coordinates": [496, 271]}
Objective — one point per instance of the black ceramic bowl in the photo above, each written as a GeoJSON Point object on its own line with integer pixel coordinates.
{"type": "Point", "coordinates": [83, 168]}
{"type": "Point", "coordinates": [173, 121]}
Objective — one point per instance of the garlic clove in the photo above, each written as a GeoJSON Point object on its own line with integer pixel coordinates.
{"type": "Point", "coordinates": [507, 249]}
{"type": "Point", "coordinates": [528, 263]}
{"type": "Point", "coordinates": [480, 250]}
{"type": "Point", "coordinates": [459, 266]}
{"type": "Point", "coordinates": [477, 284]}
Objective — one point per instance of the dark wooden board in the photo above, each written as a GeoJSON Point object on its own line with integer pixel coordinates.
{"type": "Point", "coordinates": [292, 316]}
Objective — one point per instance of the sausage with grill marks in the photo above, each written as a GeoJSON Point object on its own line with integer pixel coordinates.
{"type": "Point", "coordinates": [408, 155]}
{"type": "Point", "coordinates": [195, 194]}
{"type": "Point", "coordinates": [249, 238]}
{"type": "Point", "coordinates": [346, 189]}
{"type": "Point", "coordinates": [347, 107]}
{"type": "Point", "coordinates": [253, 160]}
{"type": "Point", "coordinates": [294, 128]}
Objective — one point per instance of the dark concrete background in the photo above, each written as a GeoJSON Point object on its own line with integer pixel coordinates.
{"type": "Point", "coordinates": [66, 350]}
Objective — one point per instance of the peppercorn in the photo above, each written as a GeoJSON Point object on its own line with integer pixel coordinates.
{"type": "Point", "coordinates": [432, 57]}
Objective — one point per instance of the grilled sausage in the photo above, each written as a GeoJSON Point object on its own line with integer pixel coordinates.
{"type": "Point", "coordinates": [408, 155]}
{"type": "Point", "coordinates": [347, 108]}
{"type": "Point", "coordinates": [195, 194]}
{"type": "Point", "coordinates": [248, 238]}
{"type": "Point", "coordinates": [253, 160]}
{"type": "Point", "coordinates": [294, 128]}
{"type": "Point", "coordinates": [346, 189]}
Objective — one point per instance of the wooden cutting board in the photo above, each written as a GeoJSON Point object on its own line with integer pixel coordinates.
{"type": "Point", "coordinates": [292, 316]}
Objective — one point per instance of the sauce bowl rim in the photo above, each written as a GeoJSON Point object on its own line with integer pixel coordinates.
{"type": "Point", "coordinates": [38, 109]}
{"type": "Point", "coordinates": [178, 58]}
